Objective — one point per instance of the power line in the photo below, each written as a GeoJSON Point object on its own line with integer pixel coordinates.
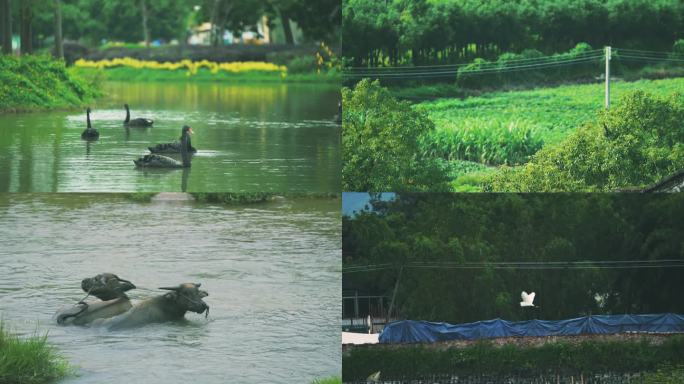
{"type": "Point", "coordinates": [478, 71]}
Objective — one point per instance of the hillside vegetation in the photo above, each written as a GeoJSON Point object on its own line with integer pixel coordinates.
{"type": "Point", "coordinates": [39, 83]}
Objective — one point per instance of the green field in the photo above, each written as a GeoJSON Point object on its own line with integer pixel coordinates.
{"type": "Point", "coordinates": [507, 128]}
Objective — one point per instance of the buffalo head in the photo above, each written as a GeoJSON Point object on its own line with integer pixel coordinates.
{"type": "Point", "coordinates": [106, 286]}
{"type": "Point", "coordinates": [188, 297]}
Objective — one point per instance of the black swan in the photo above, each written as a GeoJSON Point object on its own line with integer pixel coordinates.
{"type": "Point", "coordinates": [90, 133]}
{"type": "Point", "coordinates": [173, 147]}
{"type": "Point", "coordinates": [139, 122]}
{"type": "Point", "coordinates": [159, 161]}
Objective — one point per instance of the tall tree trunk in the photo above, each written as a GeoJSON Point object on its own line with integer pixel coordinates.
{"type": "Point", "coordinates": [26, 32]}
{"type": "Point", "coordinates": [6, 26]}
{"type": "Point", "coordinates": [213, 34]}
{"type": "Point", "coordinates": [146, 31]}
{"type": "Point", "coordinates": [287, 30]}
{"type": "Point", "coordinates": [59, 47]}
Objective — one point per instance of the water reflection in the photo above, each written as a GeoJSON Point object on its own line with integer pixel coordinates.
{"type": "Point", "coordinates": [251, 138]}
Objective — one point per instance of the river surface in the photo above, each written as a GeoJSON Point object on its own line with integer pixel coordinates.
{"type": "Point", "coordinates": [257, 138]}
{"type": "Point", "coordinates": [272, 272]}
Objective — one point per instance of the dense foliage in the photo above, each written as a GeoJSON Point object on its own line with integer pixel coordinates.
{"type": "Point", "coordinates": [423, 32]}
{"type": "Point", "coordinates": [561, 358]}
{"type": "Point", "coordinates": [495, 228]}
{"type": "Point", "coordinates": [380, 143]}
{"type": "Point", "coordinates": [95, 22]}
{"type": "Point", "coordinates": [638, 142]}
{"type": "Point", "coordinates": [39, 82]}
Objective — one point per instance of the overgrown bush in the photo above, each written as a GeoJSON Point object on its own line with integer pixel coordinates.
{"type": "Point", "coordinates": [380, 143]}
{"type": "Point", "coordinates": [486, 358]}
{"type": "Point", "coordinates": [302, 64]}
{"type": "Point", "coordinates": [636, 143]}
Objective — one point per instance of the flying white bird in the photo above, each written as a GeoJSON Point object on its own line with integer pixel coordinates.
{"type": "Point", "coordinates": [373, 378]}
{"type": "Point", "coordinates": [527, 299]}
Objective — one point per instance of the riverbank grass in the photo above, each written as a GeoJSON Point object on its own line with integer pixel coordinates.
{"type": "Point", "coordinates": [328, 380]}
{"type": "Point", "coordinates": [29, 360]}
{"type": "Point", "coordinates": [30, 83]}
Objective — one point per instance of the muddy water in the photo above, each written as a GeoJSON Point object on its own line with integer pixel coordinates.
{"type": "Point", "coordinates": [272, 272]}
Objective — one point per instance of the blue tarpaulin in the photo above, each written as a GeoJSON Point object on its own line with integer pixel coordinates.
{"type": "Point", "coordinates": [411, 331]}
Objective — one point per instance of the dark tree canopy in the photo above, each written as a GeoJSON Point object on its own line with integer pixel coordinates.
{"type": "Point", "coordinates": [418, 32]}
{"type": "Point", "coordinates": [490, 228]}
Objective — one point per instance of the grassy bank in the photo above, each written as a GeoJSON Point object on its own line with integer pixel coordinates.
{"type": "Point", "coordinates": [29, 360]}
{"type": "Point", "coordinates": [30, 83]}
{"type": "Point", "coordinates": [556, 357]}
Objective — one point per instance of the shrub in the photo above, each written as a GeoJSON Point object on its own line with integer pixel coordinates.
{"type": "Point", "coordinates": [678, 47]}
{"type": "Point", "coordinates": [302, 64]}
{"type": "Point", "coordinates": [636, 143]}
{"type": "Point", "coordinates": [560, 357]}
{"type": "Point", "coordinates": [380, 143]}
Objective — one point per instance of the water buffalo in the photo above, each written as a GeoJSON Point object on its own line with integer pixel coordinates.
{"type": "Point", "coordinates": [109, 288]}
{"type": "Point", "coordinates": [167, 307]}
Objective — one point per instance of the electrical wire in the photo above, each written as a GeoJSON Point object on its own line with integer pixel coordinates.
{"type": "Point", "coordinates": [493, 65]}
{"type": "Point", "coordinates": [590, 52]}
{"type": "Point", "coordinates": [477, 71]}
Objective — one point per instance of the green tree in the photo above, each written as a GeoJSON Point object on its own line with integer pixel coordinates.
{"type": "Point", "coordinates": [380, 143]}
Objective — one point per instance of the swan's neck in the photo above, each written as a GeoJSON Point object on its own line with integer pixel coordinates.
{"type": "Point", "coordinates": [184, 150]}
{"type": "Point", "coordinates": [128, 116]}
{"type": "Point", "coordinates": [88, 119]}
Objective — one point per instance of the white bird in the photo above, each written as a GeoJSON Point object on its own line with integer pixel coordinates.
{"type": "Point", "coordinates": [527, 299]}
{"type": "Point", "coordinates": [373, 378]}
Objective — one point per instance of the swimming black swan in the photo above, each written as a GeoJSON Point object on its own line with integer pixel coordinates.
{"type": "Point", "coordinates": [173, 147]}
{"type": "Point", "coordinates": [139, 122]}
{"type": "Point", "coordinates": [159, 161]}
{"type": "Point", "coordinates": [90, 133]}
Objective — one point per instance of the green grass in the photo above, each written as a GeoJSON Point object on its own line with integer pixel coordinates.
{"type": "Point", "coordinates": [328, 380]}
{"type": "Point", "coordinates": [30, 83]}
{"type": "Point", "coordinates": [29, 360]}
{"type": "Point", "coordinates": [204, 75]}
{"type": "Point", "coordinates": [510, 127]}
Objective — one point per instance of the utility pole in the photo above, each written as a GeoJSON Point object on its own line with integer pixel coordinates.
{"type": "Point", "coordinates": [394, 294]}
{"type": "Point", "coordinates": [608, 54]}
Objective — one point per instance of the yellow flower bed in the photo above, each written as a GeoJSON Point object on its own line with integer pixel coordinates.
{"type": "Point", "coordinates": [191, 66]}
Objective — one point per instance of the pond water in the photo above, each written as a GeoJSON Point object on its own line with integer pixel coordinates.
{"type": "Point", "coordinates": [272, 272]}
{"type": "Point", "coordinates": [257, 137]}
